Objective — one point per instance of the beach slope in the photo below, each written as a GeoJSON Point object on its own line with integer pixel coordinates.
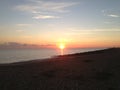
{"type": "Point", "coordinates": [96, 70]}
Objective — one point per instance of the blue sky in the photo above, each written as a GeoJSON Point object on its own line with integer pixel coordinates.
{"type": "Point", "coordinates": [50, 21]}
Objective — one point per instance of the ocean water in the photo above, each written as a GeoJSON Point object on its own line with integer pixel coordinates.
{"type": "Point", "coordinates": [18, 55]}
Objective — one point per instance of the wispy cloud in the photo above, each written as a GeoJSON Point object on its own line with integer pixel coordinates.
{"type": "Point", "coordinates": [26, 37]}
{"type": "Point", "coordinates": [43, 8]}
{"type": "Point", "coordinates": [45, 17]}
{"type": "Point", "coordinates": [16, 45]}
{"type": "Point", "coordinates": [23, 25]}
{"type": "Point", "coordinates": [113, 15]}
{"type": "Point", "coordinates": [20, 31]}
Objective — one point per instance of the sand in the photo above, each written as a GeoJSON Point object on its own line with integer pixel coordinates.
{"type": "Point", "coordinates": [97, 70]}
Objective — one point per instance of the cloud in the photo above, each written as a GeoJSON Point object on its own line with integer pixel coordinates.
{"type": "Point", "coordinates": [107, 22]}
{"type": "Point", "coordinates": [17, 45]}
{"type": "Point", "coordinates": [57, 6]}
{"type": "Point", "coordinates": [106, 30]}
{"type": "Point", "coordinates": [43, 6]}
{"type": "Point", "coordinates": [27, 8]}
{"type": "Point", "coordinates": [113, 15]}
{"type": "Point", "coordinates": [44, 9]}
{"type": "Point", "coordinates": [19, 30]}
{"type": "Point", "coordinates": [45, 17]}
{"type": "Point", "coordinates": [23, 25]}
{"type": "Point", "coordinates": [26, 37]}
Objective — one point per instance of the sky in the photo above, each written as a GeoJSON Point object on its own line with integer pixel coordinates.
{"type": "Point", "coordinates": [77, 23]}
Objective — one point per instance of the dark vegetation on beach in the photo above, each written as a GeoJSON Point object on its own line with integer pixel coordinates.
{"type": "Point", "coordinates": [96, 70]}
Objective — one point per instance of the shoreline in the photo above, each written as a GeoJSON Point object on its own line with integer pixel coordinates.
{"type": "Point", "coordinates": [51, 57]}
{"type": "Point", "coordinates": [11, 56]}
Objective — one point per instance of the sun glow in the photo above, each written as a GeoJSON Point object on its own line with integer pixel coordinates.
{"type": "Point", "coordinates": [61, 46]}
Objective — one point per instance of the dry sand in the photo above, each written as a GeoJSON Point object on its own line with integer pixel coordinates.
{"type": "Point", "coordinates": [98, 70]}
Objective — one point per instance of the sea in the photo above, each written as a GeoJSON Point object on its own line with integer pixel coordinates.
{"type": "Point", "coordinates": [21, 55]}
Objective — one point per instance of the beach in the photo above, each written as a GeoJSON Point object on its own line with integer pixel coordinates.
{"type": "Point", "coordinates": [95, 70]}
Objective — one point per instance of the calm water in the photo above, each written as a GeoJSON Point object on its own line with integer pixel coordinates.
{"type": "Point", "coordinates": [18, 55]}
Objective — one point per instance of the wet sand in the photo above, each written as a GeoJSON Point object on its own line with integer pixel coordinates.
{"type": "Point", "coordinates": [97, 70]}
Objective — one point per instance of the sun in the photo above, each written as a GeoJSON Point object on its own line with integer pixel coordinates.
{"type": "Point", "coordinates": [62, 46]}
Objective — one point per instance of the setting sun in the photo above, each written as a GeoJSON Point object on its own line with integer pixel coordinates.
{"type": "Point", "coordinates": [61, 46]}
